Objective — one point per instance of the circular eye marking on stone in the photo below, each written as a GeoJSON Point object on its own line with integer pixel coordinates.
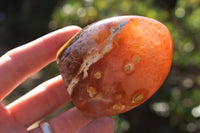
{"type": "Point", "coordinates": [118, 96]}
{"type": "Point", "coordinates": [97, 75]}
{"type": "Point", "coordinates": [129, 67]}
{"type": "Point", "coordinates": [138, 98]}
{"type": "Point", "coordinates": [118, 106]}
{"type": "Point", "coordinates": [91, 91]}
{"type": "Point", "coordinates": [136, 59]}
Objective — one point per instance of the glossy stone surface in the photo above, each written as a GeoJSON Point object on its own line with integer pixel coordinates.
{"type": "Point", "coordinates": [115, 64]}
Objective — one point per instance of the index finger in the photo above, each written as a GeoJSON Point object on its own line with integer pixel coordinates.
{"type": "Point", "coordinates": [19, 63]}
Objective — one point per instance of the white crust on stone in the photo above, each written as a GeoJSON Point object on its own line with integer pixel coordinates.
{"type": "Point", "coordinates": [93, 58]}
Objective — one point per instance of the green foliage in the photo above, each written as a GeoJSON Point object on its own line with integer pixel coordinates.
{"type": "Point", "coordinates": [122, 125]}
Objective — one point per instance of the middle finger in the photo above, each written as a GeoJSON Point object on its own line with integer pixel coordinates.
{"type": "Point", "coordinates": [40, 102]}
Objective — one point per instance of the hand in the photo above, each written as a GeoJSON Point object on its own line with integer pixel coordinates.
{"type": "Point", "coordinates": [17, 65]}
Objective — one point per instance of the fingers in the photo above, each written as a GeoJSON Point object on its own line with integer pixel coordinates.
{"type": "Point", "coordinates": [100, 125]}
{"type": "Point", "coordinates": [20, 63]}
{"type": "Point", "coordinates": [40, 102]}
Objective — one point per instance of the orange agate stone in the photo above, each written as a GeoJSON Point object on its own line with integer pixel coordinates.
{"type": "Point", "coordinates": [116, 64]}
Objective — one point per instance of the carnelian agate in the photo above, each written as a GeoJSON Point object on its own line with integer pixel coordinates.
{"type": "Point", "coordinates": [116, 64]}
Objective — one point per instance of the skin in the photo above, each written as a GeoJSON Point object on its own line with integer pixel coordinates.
{"type": "Point", "coordinates": [20, 63]}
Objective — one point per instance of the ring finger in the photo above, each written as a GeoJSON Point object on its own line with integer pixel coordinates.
{"type": "Point", "coordinates": [72, 121]}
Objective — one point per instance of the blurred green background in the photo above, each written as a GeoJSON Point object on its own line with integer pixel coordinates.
{"type": "Point", "coordinates": [175, 108]}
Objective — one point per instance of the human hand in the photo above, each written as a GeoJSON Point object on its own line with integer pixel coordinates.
{"type": "Point", "coordinates": [20, 63]}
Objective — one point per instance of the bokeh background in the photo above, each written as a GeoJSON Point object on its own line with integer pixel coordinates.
{"type": "Point", "coordinates": [175, 108]}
